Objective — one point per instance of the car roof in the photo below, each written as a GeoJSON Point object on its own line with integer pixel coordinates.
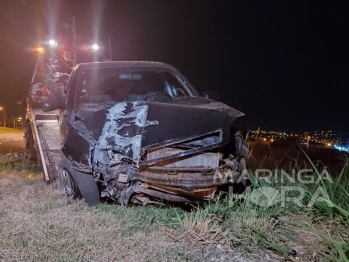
{"type": "Point", "coordinates": [115, 64]}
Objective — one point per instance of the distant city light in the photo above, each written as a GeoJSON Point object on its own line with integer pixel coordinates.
{"type": "Point", "coordinates": [342, 148]}
{"type": "Point", "coordinates": [328, 138]}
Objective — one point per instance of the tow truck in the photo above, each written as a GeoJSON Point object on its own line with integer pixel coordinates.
{"type": "Point", "coordinates": [41, 130]}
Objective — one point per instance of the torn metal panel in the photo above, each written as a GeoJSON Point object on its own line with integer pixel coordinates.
{"type": "Point", "coordinates": [123, 129]}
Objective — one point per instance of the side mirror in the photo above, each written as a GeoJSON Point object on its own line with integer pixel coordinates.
{"type": "Point", "coordinates": [211, 94]}
{"type": "Point", "coordinates": [52, 103]}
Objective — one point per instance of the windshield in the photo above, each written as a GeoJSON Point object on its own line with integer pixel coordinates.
{"type": "Point", "coordinates": [112, 85]}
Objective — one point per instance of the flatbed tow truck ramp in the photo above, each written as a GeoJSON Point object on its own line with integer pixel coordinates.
{"type": "Point", "coordinates": [45, 128]}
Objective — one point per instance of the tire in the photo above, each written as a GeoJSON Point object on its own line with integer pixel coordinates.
{"type": "Point", "coordinates": [67, 185]}
{"type": "Point", "coordinates": [76, 184]}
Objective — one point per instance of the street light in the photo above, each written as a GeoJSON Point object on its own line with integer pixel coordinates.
{"type": "Point", "coordinates": [2, 108]}
{"type": "Point", "coordinates": [52, 43]}
{"type": "Point", "coordinates": [19, 119]}
{"type": "Point", "coordinates": [40, 49]}
{"type": "Point", "coordinates": [94, 47]}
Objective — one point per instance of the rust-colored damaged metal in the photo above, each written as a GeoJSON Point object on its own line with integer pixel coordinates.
{"type": "Point", "coordinates": [189, 180]}
{"type": "Point", "coordinates": [146, 136]}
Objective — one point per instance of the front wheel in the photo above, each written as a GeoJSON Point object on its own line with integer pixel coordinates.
{"type": "Point", "coordinates": [76, 184]}
{"type": "Point", "coordinates": [67, 185]}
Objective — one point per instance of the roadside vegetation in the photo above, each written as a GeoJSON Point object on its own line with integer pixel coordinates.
{"type": "Point", "coordinates": [6, 130]}
{"type": "Point", "coordinates": [39, 224]}
{"type": "Point", "coordinates": [17, 163]}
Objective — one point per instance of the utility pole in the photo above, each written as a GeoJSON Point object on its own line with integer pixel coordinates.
{"type": "Point", "coordinates": [74, 42]}
{"type": "Point", "coordinates": [110, 58]}
{"type": "Point", "coordinates": [73, 55]}
{"type": "Point", "coordinates": [2, 108]}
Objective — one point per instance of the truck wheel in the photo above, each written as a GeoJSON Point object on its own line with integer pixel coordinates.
{"type": "Point", "coordinates": [67, 185]}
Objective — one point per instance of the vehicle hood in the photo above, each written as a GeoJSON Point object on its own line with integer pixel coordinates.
{"type": "Point", "coordinates": [130, 128]}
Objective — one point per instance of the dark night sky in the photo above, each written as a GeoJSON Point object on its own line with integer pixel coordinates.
{"type": "Point", "coordinates": [285, 64]}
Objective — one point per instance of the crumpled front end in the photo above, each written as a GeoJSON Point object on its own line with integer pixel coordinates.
{"type": "Point", "coordinates": [184, 151]}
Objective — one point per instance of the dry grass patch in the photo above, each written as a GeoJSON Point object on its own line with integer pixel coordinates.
{"type": "Point", "coordinates": [7, 130]}
{"type": "Point", "coordinates": [37, 224]}
{"type": "Point", "coordinates": [19, 163]}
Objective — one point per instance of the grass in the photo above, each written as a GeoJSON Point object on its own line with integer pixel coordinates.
{"type": "Point", "coordinates": [13, 162]}
{"type": "Point", "coordinates": [37, 223]}
{"type": "Point", "coordinates": [6, 130]}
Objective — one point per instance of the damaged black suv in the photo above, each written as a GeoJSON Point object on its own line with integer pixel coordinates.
{"type": "Point", "coordinates": [139, 132]}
